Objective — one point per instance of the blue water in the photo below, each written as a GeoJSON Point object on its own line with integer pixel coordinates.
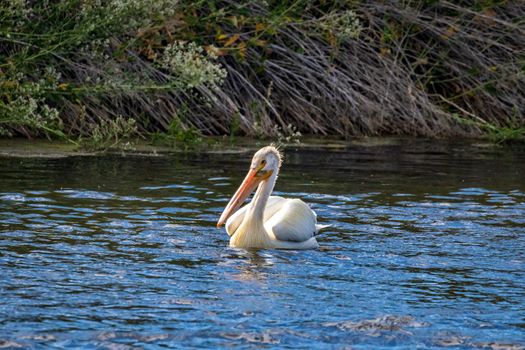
{"type": "Point", "coordinates": [426, 250]}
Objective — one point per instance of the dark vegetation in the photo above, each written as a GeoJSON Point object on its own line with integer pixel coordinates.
{"type": "Point", "coordinates": [104, 71]}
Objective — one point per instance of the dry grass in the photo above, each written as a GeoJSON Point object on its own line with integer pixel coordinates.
{"type": "Point", "coordinates": [422, 68]}
{"type": "Point", "coordinates": [439, 71]}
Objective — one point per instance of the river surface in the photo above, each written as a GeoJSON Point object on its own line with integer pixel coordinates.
{"type": "Point", "coordinates": [426, 249]}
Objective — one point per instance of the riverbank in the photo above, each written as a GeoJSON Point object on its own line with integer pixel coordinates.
{"type": "Point", "coordinates": [262, 69]}
{"type": "Point", "coordinates": [42, 148]}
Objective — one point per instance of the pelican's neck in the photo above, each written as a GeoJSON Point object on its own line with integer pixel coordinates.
{"type": "Point", "coordinates": [251, 233]}
{"type": "Point", "coordinates": [258, 203]}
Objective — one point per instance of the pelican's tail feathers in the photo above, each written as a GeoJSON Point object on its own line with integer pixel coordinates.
{"type": "Point", "coordinates": [319, 227]}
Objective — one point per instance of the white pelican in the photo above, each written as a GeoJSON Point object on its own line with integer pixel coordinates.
{"type": "Point", "coordinates": [268, 221]}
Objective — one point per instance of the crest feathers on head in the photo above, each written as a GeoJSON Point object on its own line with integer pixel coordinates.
{"type": "Point", "coordinates": [272, 148]}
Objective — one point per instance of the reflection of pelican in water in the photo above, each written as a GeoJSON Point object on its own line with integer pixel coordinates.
{"type": "Point", "coordinates": [252, 266]}
{"type": "Point", "coordinates": [268, 221]}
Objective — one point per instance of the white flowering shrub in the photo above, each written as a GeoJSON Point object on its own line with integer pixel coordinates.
{"type": "Point", "coordinates": [343, 25]}
{"type": "Point", "coordinates": [22, 103]}
{"type": "Point", "coordinates": [349, 25]}
{"type": "Point", "coordinates": [110, 134]}
{"type": "Point", "coordinates": [191, 65]}
{"type": "Point", "coordinates": [29, 112]}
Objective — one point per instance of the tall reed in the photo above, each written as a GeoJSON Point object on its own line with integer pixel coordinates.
{"type": "Point", "coordinates": [424, 68]}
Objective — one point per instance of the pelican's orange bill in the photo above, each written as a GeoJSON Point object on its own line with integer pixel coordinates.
{"type": "Point", "coordinates": [248, 186]}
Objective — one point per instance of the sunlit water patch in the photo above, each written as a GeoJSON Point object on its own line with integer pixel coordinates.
{"type": "Point", "coordinates": [425, 249]}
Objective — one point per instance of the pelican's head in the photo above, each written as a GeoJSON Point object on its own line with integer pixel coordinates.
{"type": "Point", "coordinates": [267, 159]}
{"type": "Point", "coordinates": [265, 162]}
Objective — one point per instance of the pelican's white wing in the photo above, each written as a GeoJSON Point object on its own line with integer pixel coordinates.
{"type": "Point", "coordinates": [274, 204]}
{"type": "Point", "coordinates": [294, 222]}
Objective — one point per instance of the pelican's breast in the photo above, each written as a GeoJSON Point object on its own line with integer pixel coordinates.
{"type": "Point", "coordinates": [273, 205]}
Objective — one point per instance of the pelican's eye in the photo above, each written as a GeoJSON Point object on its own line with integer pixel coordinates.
{"type": "Point", "coordinates": [260, 169]}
